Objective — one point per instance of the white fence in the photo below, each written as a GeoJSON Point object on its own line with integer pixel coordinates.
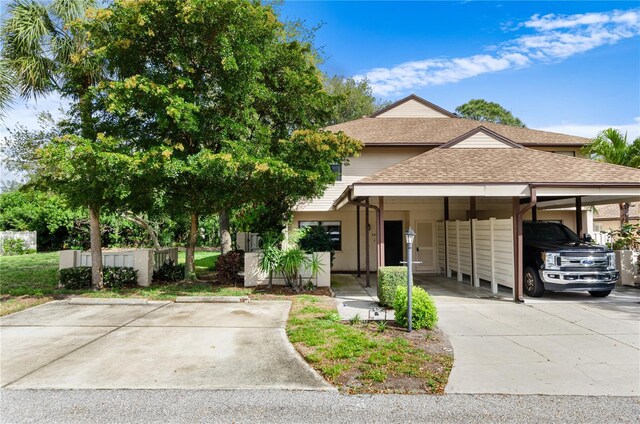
{"type": "Point", "coordinates": [493, 252]}
{"type": "Point", "coordinates": [601, 238]}
{"type": "Point", "coordinates": [30, 238]}
{"type": "Point", "coordinates": [145, 261]}
{"type": "Point", "coordinates": [459, 248]}
{"type": "Point", "coordinates": [441, 247]}
{"type": "Point", "coordinates": [480, 249]}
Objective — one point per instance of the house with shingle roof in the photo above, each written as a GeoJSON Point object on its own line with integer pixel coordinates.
{"type": "Point", "coordinates": [424, 167]}
{"type": "Point", "coordinates": [607, 217]}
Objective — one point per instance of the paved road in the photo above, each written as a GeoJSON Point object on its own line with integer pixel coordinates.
{"type": "Point", "coordinates": [254, 406]}
{"type": "Point", "coordinates": [160, 345]}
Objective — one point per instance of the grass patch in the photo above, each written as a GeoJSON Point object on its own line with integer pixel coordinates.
{"type": "Point", "coordinates": [358, 358]}
{"type": "Point", "coordinates": [28, 280]}
{"type": "Point", "coordinates": [204, 261]}
{"type": "Point", "coordinates": [33, 275]}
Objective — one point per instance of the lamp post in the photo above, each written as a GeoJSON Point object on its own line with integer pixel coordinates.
{"type": "Point", "coordinates": [409, 236]}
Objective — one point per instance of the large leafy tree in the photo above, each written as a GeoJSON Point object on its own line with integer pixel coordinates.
{"type": "Point", "coordinates": [43, 46]}
{"type": "Point", "coordinates": [484, 111]}
{"type": "Point", "coordinates": [612, 146]}
{"type": "Point", "coordinates": [219, 87]}
{"type": "Point", "coordinates": [353, 99]}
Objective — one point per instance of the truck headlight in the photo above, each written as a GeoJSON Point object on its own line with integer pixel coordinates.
{"type": "Point", "coordinates": [611, 256]}
{"type": "Point", "coordinates": [551, 260]}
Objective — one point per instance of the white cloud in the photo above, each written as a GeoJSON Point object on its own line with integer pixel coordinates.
{"type": "Point", "coordinates": [555, 37]}
{"type": "Point", "coordinates": [591, 130]}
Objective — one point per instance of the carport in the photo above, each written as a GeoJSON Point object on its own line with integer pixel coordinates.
{"type": "Point", "coordinates": [501, 180]}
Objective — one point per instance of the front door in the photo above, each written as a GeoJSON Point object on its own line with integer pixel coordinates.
{"type": "Point", "coordinates": [425, 243]}
{"type": "Point", "coordinates": [392, 243]}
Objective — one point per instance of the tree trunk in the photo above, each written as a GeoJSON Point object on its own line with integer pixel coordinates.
{"type": "Point", "coordinates": [144, 224]}
{"type": "Point", "coordinates": [96, 248]}
{"type": "Point", "coordinates": [190, 267]}
{"type": "Point", "coordinates": [225, 233]}
{"type": "Point", "coordinates": [270, 285]}
{"type": "Point", "coordinates": [624, 213]}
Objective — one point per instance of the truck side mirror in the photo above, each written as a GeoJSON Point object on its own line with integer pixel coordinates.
{"type": "Point", "coordinates": [587, 238]}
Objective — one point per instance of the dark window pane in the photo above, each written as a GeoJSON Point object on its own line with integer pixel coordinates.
{"type": "Point", "coordinates": [337, 169]}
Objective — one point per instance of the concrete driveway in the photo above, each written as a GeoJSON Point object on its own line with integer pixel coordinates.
{"type": "Point", "coordinates": [561, 344]}
{"type": "Point", "coordinates": [159, 345]}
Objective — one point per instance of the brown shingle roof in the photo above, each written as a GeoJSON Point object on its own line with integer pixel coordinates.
{"type": "Point", "coordinates": [507, 166]}
{"type": "Point", "coordinates": [607, 212]}
{"type": "Point", "coordinates": [399, 131]}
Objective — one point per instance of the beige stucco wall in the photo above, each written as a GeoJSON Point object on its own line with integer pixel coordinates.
{"type": "Point", "coordinates": [410, 211]}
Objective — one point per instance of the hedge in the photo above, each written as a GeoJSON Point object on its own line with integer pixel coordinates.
{"type": "Point", "coordinates": [169, 272]}
{"type": "Point", "coordinates": [79, 278]}
{"type": "Point", "coordinates": [423, 310]}
{"type": "Point", "coordinates": [389, 278]}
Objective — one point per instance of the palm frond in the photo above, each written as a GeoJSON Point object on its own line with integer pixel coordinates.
{"type": "Point", "coordinates": [7, 86]}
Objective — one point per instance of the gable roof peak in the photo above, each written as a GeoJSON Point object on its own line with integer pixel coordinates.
{"type": "Point", "coordinates": [504, 141]}
{"type": "Point", "coordinates": [415, 98]}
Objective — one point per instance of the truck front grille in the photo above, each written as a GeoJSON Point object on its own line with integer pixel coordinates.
{"type": "Point", "coordinates": [584, 261]}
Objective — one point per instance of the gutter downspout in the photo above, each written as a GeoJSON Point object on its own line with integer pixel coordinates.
{"type": "Point", "coordinates": [518, 245]}
{"type": "Point", "coordinates": [367, 206]}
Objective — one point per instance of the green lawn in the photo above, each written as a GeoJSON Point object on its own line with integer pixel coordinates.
{"type": "Point", "coordinates": [35, 274]}
{"type": "Point", "coordinates": [205, 261]}
{"type": "Point", "coordinates": [25, 278]}
{"type": "Point", "coordinates": [367, 357]}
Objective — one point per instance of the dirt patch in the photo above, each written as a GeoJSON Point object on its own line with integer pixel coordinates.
{"type": "Point", "coordinates": [264, 292]}
{"type": "Point", "coordinates": [9, 304]}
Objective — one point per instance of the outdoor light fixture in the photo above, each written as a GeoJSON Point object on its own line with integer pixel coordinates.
{"type": "Point", "coordinates": [409, 235]}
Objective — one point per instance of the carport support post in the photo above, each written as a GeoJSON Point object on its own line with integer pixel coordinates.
{"type": "Point", "coordinates": [358, 238]}
{"type": "Point", "coordinates": [579, 216]}
{"type": "Point", "coordinates": [367, 263]}
{"type": "Point", "coordinates": [518, 272]}
{"type": "Point", "coordinates": [381, 231]}
{"type": "Point", "coordinates": [446, 244]}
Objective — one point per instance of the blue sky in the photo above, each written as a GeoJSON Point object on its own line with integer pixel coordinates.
{"type": "Point", "coordinates": [566, 66]}
{"type": "Point", "coordinates": [569, 66]}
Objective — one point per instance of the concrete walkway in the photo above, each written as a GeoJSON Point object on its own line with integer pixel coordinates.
{"type": "Point", "coordinates": [560, 344]}
{"type": "Point", "coordinates": [161, 345]}
{"type": "Point", "coordinates": [352, 298]}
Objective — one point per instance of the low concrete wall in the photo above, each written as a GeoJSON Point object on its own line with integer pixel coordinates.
{"type": "Point", "coordinates": [30, 238]}
{"type": "Point", "coordinates": [254, 277]}
{"type": "Point", "coordinates": [145, 261]}
{"type": "Point", "coordinates": [627, 264]}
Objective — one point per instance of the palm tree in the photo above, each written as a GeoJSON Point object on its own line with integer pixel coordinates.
{"type": "Point", "coordinates": [41, 54]}
{"type": "Point", "coordinates": [611, 146]}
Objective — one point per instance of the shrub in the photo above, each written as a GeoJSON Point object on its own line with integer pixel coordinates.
{"type": "Point", "coordinates": [423, 312]}
{"type": "Point", "coordinates": [316, 239]}
{"type": "Point", "coordinates": [75, 278]}
{"type": "Point", "coordinates": [79, 278]}
{"type": "Point", "coordinates": [229, 265]}
{"type": "Point", "coordinates": [12, 247]}
{"type": "Point", "coordinates": [169, 272]}
{"type": "Point", "coordinates": [389, 278]}
{"type": "Point", "coordinates": [117, 277]}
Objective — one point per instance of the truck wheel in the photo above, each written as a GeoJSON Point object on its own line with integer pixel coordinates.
{"type": "Point", "coordinates": [533, 286]}
{"type": "Point", "coordinates": [600, 293]}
